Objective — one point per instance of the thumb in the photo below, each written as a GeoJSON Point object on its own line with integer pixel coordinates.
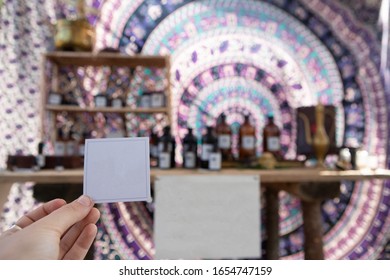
{"type": "Point", "coordinates": [66, 216]}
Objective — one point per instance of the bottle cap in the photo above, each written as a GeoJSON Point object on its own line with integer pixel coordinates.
{"type": "Point", "coordinates": [40, 147]}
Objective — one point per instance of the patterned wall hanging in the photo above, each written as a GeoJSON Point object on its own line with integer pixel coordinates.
{"type": "Point", "coordinates": [258, 57]}
{"type": "Point", "coordinates": [262, 57]}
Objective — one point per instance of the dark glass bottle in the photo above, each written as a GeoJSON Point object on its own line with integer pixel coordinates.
{"type": "Point", "coordinates": [271, 138]}
{"type": "Point", "coordinates": [215, 160]}
{"type": "Point", "coordinates": [166, 149]}
{"type": "Point", "coordinates": [81, 145]}
{"type": "Point", "coordinates": [40, 158]}
{"type": "Point", "coordinates": [247, 141]}
{"type": "Point", "coordinates": [190, 150]}
{"type": "Point", "coordinates": [60, 149]}
{"type": "Point", "coordinates": [71, 144]}
{"type": "Point", "coordinates": [208, 142]}
{"type": "Point", "coordinates": [60, 143]}
{"type": "Point", "coordinates": [153, 144]}
{"type": "Point", "coordinates": [224, 134]}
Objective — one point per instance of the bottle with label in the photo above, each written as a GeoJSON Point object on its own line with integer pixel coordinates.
{"type": "Point", "coordinates": [54, 98]}
{"type": "Point", "coordinates": [59, 149]}
{"type": "Point", "coordinates": [100, 100]}
{"type": "Point", "coordinates": [68, 98]}
{"type": "Point", "coordinates": [60, 144]}
{"type": "Point", "coordinates": [71, 145]}
{"type": "Point", "coordinates": [153, 144]}
{"type": "Point", "coordinates": [81, 145]}
{"type": "Point", "coordinates": [208, 142]}
{"type": "Point", "coordinates": [271, 138]}
{"type": "Point", "coordinates": [145, 100]}
{"type": "Point", "coordinates": [157, 99]}
{"type": "Point", "coordinates": [116, 101]}
{"type": "Point", "coordinates": [215, 160]}
{"type": "Point", "coordinates": [224, 134]}
{"type": "Point", "coordinates": [40, 158]}
{"type": "Point", "coordinates": [166, 149]}
{"type": "Point", "coordinates": [190, 148]}
{"type": "Point", "coordinates": [247, 141]}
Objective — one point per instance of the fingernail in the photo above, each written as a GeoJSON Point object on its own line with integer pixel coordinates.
{"type": "Point", "coordinates": [84, 200]}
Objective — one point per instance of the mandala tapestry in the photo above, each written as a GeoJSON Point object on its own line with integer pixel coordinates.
{"type": "Point", "coordinates": [256, 57]}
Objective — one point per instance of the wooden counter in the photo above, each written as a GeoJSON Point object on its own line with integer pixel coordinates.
{"type": "Point", "coordinates": [311, 185]}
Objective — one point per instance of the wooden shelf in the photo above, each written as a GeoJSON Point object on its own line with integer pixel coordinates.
{"type": "Point", "coordinates": [104, 59]}
{"type": "Point", "coordinates": [59, 60]}
{"type": "Point", "coordinates": [271, 176]}
{"type": "Point", "coordinates": [124, 110]}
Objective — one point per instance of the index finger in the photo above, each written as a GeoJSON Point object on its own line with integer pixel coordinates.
{"type": "Point", "coordinates": [65, 217]}
{"type": "Point", "coordinates": [40, 212]}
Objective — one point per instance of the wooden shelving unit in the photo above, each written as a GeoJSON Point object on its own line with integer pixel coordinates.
{"type": "Point", "coordinates": [124, 110]}
{"type": "Point", "coordinates": [58, 59]}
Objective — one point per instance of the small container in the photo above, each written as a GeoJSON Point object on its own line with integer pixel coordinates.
{"type": "Point", "coordinates": [54, 98]}
{"type": "Point", "coordinates": [100, 101]}
{"type": "Point", "coordinates": [157, 100]}
{"type": "Point", "coordinates": [145, 100]}
{"type": "Point", "coordinates": [117, 103]}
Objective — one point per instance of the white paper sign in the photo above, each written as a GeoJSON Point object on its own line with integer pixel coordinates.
{"type": "Point", "coordinates": [207, 217]}
{"type": "Point", "coordinates": [117, 169]}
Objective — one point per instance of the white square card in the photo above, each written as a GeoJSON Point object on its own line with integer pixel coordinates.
{"type": "Point", "coordinates": [117, 169]}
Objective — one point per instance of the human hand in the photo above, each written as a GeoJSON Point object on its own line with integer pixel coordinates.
{"type": "Point", "coordinates": [55, 230]}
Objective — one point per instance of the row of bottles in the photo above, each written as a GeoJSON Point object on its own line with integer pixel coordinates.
{"type": "Point", "coordinates": [101, 100]}
{"type": "Point", "coordinates": [67, 145]}
{"type": "Point", "coordinates": [215, 145]}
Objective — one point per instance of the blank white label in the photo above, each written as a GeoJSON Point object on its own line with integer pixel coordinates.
{"type": "Point", "coordinates": [206, 150]}
{"type": "Point", "coordinates": [100, 101]}
{"type": "Point", "coordinates": [224, 141]}
{"type": "Point", "coordinates": [71, 148]}
{"type": "Point", "coordinates": [215, 161]}
{"type": "Point", "coordinates": [273, 143]}
{"type": "Point", "coordinates": [117, 169]}
{"type": "Point", "coordinates": [157, 100]}
{"type": "Point", "coordinates": [54, 99]}
{"type": "Point", "coordinates": [248, 142]}
{"type": "Point", "coordinates": [164, 160]}
{"type": "Point", "coordinates": [117, 103]}
{"type": "Point", "coordinates": [59, 148]}
{"type": "Point", "coordinates": [207, 217]}
{"type": "Point", "coordinates": [190, 160]}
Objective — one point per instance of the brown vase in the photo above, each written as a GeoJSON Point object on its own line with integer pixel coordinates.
{"type": "Point", "coordinates": [320, 138]}
{"type": "Point", "coordinates": [74, 35]}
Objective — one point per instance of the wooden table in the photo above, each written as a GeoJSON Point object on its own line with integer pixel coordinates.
{"type": "Point", "coordinates": [310, 185]}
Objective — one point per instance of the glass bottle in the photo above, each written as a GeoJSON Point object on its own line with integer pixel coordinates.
{"type": "Point", "coordinates": [271, 138]}
{"type": "Point", "coordinates": [59, 149]}
{"type": "Point", "coordinates": [247, 141]}
{"type": "Point", "coordinates": [100, 100]}
{"type": "Point", "coordinates": [224, 134]}
{"type": "Point", "coordinates": [71, 144]}
{"type": "Point", "coordinates": [215, 160]}
{"type": "Point", "coordinates": [60, 143]}
{"type": "Point", "coordinates": [166, 149]}
{"type": "Point", "coordinates": [190, 148]}
{"type": "Point", "coordinates": [81, 145]}
{"type": "Point", "coordinates": [208, 142]}
{"type": "Point", "coordinates": [40, 158]}
{"type": "Point", "coordinates": [153, 143]}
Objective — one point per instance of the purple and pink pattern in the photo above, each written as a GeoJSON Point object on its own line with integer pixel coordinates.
{"type": "Point", "coordinates": [227, 55]}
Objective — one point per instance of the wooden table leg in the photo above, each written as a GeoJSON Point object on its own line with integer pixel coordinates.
{"type": "Point", "coordinates": [313, 229]}
{"type": "Point", "coordinates": [272, 223]}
